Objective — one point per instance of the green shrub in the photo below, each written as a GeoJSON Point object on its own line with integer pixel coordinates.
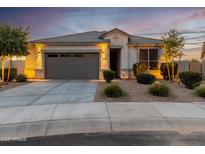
{"type": "Point", "coordinates": [21, 78]}
{"type": "Point", "coordinates": [113, 91]}
{"type": "Point", "coordinates": [13, 74]}
{"type": "Point", "coordinates": [159, 89]}
{"type": "Point", "coordinates": [108, 76]}
{"type": "Point", "coordinates": [139, 68]}
{"type": "Point", "coordinates": [146, 78]}
{"type": "Point", "coordinates": [190, 79]}
{"type": "Point", "coordinates": [200, 91]}
{"type": "Point", "coordinates": [164, 71]}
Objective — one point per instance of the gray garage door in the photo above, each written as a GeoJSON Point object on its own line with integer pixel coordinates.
{"type": "Point", "coordinates": [72, 65]}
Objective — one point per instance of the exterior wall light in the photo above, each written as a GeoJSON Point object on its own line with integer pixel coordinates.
{"type": "Point", "coordinates": [103, 54]}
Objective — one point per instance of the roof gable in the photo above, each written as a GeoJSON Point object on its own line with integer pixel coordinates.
{"type": "Point", "coordinates": [113, 31]}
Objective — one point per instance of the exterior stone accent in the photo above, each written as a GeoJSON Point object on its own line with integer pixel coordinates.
{"type": "Point", "coordinates": [124, 74]}
{"type": "Point", "coordinates": [39, 73]}
{"type": "Point", "coordinates": [131, 74]}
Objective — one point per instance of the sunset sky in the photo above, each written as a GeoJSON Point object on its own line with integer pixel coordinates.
{"type": "Point", "coordinates": [149, 22]}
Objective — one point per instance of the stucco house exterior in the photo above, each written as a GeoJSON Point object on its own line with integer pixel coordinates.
{"type": "Point", "coordinates": [86, 55]}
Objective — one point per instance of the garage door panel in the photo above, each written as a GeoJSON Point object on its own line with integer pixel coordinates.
{"type": "Point", "coordinates": [75, 66]}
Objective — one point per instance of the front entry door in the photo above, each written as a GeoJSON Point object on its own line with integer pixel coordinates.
{"type": "Point", "coordinates": [115, 61]}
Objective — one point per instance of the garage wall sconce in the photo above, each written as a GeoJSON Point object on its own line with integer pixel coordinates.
{"type": "Point", "coordinates": [103, 54]}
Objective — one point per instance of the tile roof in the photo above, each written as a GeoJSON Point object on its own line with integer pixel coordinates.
{"type": "Point", "coordinates": [95, 37]}
{"type": "Point", "coordinates": [136, 40]}
{"type": "Point", "coordinates": [86, 37]}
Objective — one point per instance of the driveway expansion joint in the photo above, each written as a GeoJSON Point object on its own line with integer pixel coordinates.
{"type": "Point", "coordinates": [50, 120]}
{"type": "Point", "coordinates": [46, 92]}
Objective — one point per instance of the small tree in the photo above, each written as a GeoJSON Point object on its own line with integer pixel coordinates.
{"type": "Point", "coordinates": [4, 34]}
{"type": "Point", "coordinates": [172, 46]}
{"type": "Point", "coordinates": [17, 45]}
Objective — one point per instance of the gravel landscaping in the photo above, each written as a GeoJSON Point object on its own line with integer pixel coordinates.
{"type": "Point", "coordinates": [139, 93]}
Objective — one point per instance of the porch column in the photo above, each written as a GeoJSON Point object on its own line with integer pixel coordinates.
{"type": "Point", "coordinates": [103, 59]}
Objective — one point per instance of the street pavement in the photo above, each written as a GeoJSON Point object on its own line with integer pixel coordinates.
{"type": "Point", "coordinates": [139, 138]}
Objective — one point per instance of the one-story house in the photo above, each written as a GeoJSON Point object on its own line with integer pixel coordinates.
{"type": "Point", "coordinates": [86, 55]}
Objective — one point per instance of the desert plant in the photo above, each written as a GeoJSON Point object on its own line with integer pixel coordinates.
{"type": "Point", "coordinates": [108, 75]}
{"type": "Point", "coordinates": [190, 79]}
{"type": "Point", "coordinates": [21, 78]}
{"type": "Point", "coordinates": [164, 71]}
{"type": "Point", "coordinates": [13, 74]}
{"type": "Point", "coordinates": [159, 89]}
{"type": "Point", "coordinates": [146, 78]}
{"type": "Point", "coordinates": [113, 91]}
{"type": "Point", "coordinates": [200, 90]}
{"type": "Point", "coordinates": [139, 68]}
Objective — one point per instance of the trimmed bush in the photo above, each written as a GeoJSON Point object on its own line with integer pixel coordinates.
{"type": "Point", "coordinates": [164, 71]}
{"type": "Point", "coordinates": [190, 79]}
{"type": "Point", "coordinates": [200, 90]}
{"type": "Point", "coordinates": [21, 78]}
{"type": "Point", "coordinates": [113, 91]}
{"type": "Point", "coordinates": [159, 89]}
{"type": "Point", "coordinates": [146, 78]}
{"type": "Point", "coordinates": [108, 76]}
{"type": "Point", "coordinates": [13, 74]}
{"type": "Point", "coordinates": [139, 68]}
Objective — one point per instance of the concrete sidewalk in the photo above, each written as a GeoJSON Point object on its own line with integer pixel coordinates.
{"type": "Point", "coordinates": [58, 119]}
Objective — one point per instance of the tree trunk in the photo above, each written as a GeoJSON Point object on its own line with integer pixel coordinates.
{"type": "Point", "coordinates": [9, 68]}
{"type": "Point", "coordinates": [168, 69]}
{"type": "Point", "coordinates": [2, 67]}
{"type": "Point", "coordinates": [172, 71]}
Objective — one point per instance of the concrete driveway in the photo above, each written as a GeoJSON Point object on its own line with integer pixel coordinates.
{"type": "Point", "coordinates": [50, 92]}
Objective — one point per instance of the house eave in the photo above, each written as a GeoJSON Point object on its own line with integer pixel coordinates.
{"type": "Point", "coordinates": [69, 43]}
{"type": "Point", "coordinates": [145, 45]}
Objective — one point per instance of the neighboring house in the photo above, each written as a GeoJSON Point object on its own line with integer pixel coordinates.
{"type": "Point", "coordinates": [87, 55]}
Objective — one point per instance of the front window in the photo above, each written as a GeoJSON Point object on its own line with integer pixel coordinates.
{"type": "Point", "coordinates": [149, 57]}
